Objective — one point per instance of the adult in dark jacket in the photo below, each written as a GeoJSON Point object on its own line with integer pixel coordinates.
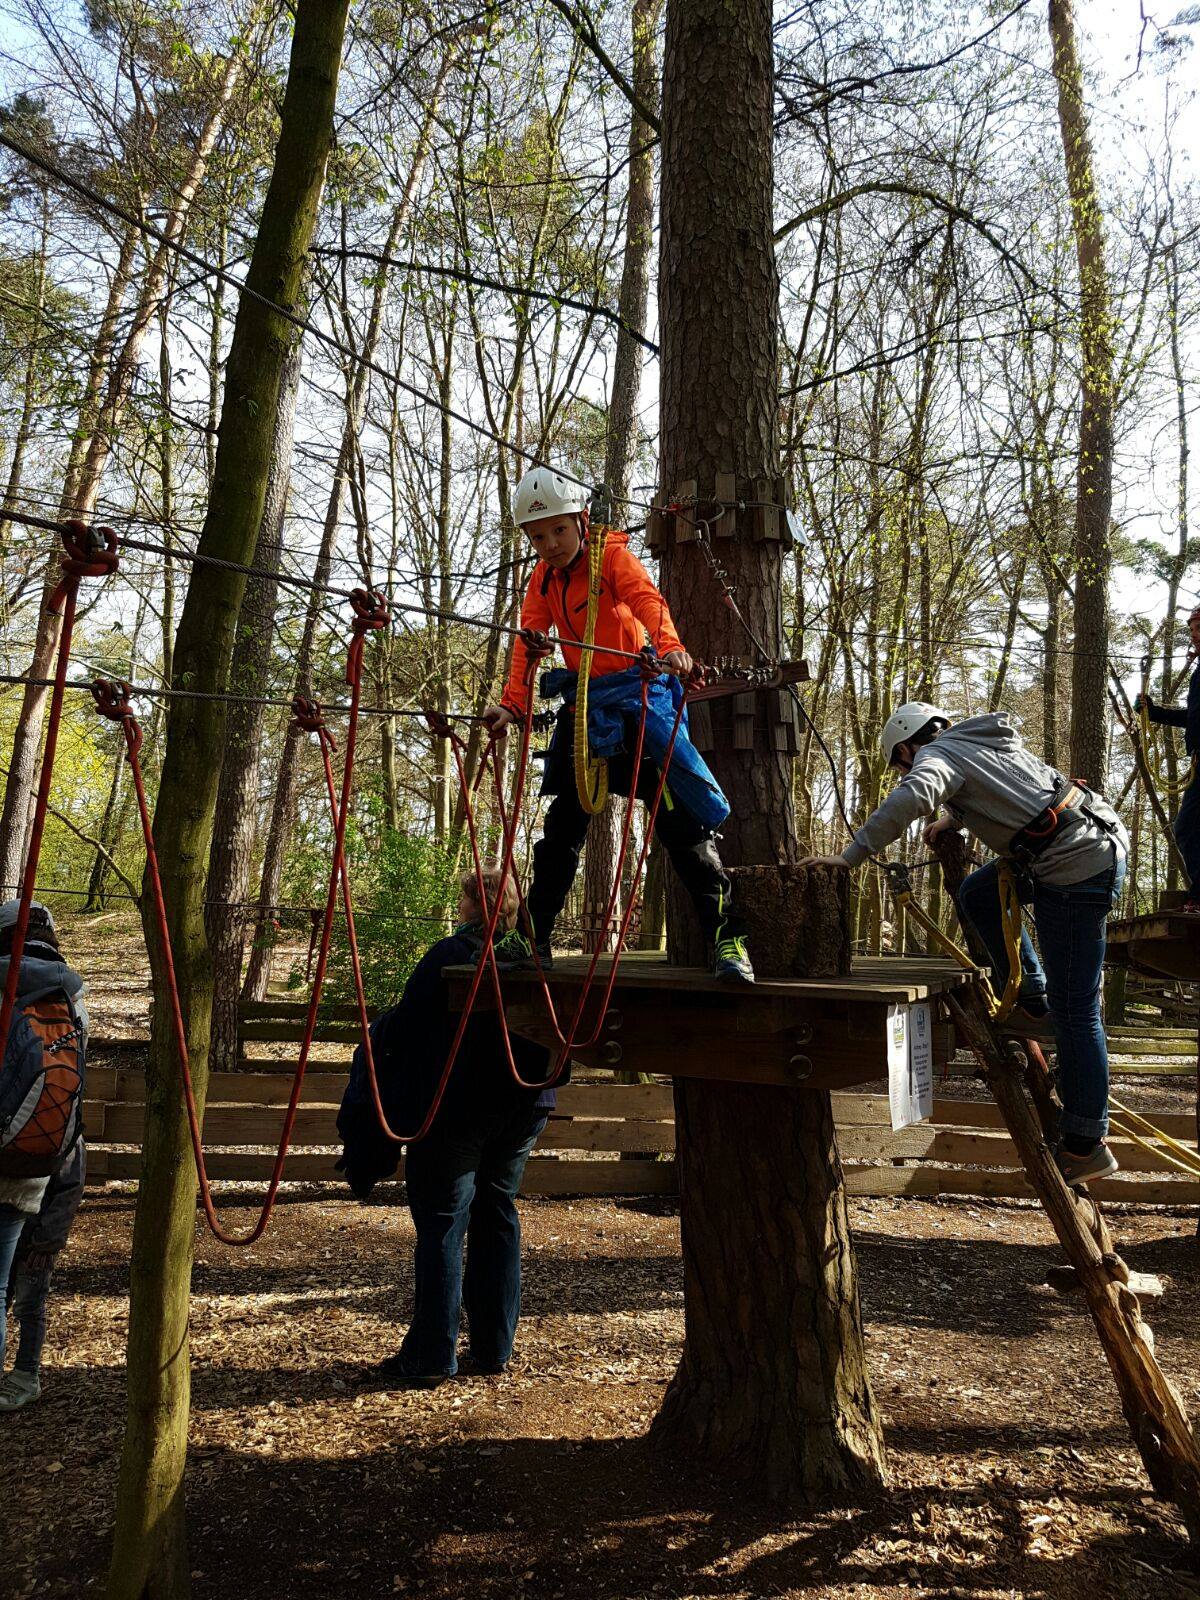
{"type": "Point", "coordinates": [463, 1176]}
{"type": "Point", "coordinates": [1187, 821]}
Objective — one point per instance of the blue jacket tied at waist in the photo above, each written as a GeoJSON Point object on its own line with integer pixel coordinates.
{"type": "Point", "coordinates": [614, 698]}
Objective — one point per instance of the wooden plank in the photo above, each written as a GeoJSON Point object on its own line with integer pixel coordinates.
{"type": "Point", "coordinates": [887, 981]}
{"type": "Point", "coordinates": [584, 1133]}
{"type": "Point", "coordinates": [271, 1032]}
{"type": "Point", "coordinates": [930, 1181]}
{"type": "Point", "coordinates": [543, 1175]}
{"type": "Point", "coordinates": [967, 1148]}
{"type": "Point", "coordinates": [297, 1010]}
{"type": "Point", "coordinates": [861, 1110]}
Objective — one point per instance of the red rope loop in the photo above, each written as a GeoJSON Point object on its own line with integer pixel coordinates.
{"type": "Point", "coordinates": [438, 724]}
{"type": "Point", "coordinates": [87, 553]}
{"type": "Point", "coordinates": [370, 612]}
{"type": "Point", "coordinates": [112, 701]}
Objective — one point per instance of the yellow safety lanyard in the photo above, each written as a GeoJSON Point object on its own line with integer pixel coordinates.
{"type": "Point", "coordinates": [591, 775]}
{"type": "Point", "coordinates": [1169, 789]}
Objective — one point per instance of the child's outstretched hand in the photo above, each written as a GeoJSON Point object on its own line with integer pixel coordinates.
{"type": "Point", "coordinates": [678, 661]}
{"type": "Point", "coordinates": [497, 719]}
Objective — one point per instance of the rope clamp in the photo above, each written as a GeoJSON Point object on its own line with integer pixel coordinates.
{"type": "Point", "coordinates": [111, 696]}
{"type": "Point", "coordinates": [536, 642]}
{"type": "Point", "coordinates": [308, 716]}
{"type": "Point", "coordinates": [370, 609]}
{"type": "Point", "coordinates": [87, 553]}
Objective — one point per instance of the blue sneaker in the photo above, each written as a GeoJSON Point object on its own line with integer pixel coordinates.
{"type": "Point", "coordinates": [731, 960]}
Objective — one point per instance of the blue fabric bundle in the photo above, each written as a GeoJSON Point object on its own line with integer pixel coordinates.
{"type": "Point", "coordinates": [614, 698]}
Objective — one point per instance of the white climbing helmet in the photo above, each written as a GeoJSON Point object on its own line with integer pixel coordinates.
{"type": "Point", "coordinates": [545, 493]}
{"type": "Point", "coordinates": [908, 720]}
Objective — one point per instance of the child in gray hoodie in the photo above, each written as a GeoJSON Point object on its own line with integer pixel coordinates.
{"type": "Point", "coordinates": [1072, 867]}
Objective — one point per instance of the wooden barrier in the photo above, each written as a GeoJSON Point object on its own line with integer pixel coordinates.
{"type": "Point", "coordinates": [964, 1150]}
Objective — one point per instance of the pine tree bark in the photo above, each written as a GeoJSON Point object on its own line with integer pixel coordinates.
{"type": "Point", "coordinates": [772, 1385]}
{"type": "Point", "coordinates": [1093, 501]}
{"type": "Point", "coordinates": [150, 1557]}
{"type": "Point", "coordinates": [237, 812]}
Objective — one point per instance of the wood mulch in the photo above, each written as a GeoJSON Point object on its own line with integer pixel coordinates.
{"type": "Point", "coordinates": [1012, 1473]}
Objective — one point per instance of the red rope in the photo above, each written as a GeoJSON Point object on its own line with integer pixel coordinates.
{"type": "Point", "coordinates": [568, 1041]}
{"type": "Point", "coordinates": [84, 557]}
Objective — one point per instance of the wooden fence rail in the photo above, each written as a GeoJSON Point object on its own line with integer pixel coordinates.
{"type": "Point", "coordinates": [964, 1150]}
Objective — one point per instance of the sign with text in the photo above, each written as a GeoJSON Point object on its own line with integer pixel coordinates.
{"type": "Point", "coordinates": [910, 1064]}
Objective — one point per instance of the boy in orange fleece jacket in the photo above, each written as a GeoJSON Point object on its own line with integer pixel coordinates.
{"type": "Point", "coordinates": [551, 510]}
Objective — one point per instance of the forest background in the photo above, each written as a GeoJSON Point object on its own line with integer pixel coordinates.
{"type": "Point", "coordinates": [487, 242]}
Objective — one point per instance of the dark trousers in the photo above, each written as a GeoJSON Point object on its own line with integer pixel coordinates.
{"type": "Point", "coordinates": [1070, 921]}
{"type": "Point", "coordinates": [693, 852]}
{"type": "Point", "coordinates": [462, 1184]}
{"type": "Point", "coordinates": [1187, 834]}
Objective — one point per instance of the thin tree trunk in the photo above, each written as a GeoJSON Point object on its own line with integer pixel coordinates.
{"type": "Point", "coordinates": [236, 813]}
{"type": "Point", "coordinates": [283, 805]}
{"type": "Point", "coordinates": [1093, 504]}
{"type": "Point", "coordinates": [27, 735]}
{"type": "Point", "coordinates": [87, 465]}
{"type": "Point", "coordinates": [773, 1383]}
{"type": "Point", "coordinates": [150, 1558]}
{"type": "Point", "coordinates": [600, 850]}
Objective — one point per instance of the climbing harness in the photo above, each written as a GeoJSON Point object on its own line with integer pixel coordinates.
{"type": "Point", "coordinates": [87, 553]}
{"type": "Point", "coordinates": [591, 775]}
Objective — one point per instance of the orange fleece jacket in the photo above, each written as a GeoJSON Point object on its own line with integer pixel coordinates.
{"type": "Point", "coordinates": [630, 609]}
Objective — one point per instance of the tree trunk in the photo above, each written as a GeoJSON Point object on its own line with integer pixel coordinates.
{"type": "Point", "coordinates": [773, 1384]}
{"type": "Point", "coordinates": [27, 735]}
{"type": "Point", "coordinates": [102, 421]}
{"type": "Point", "coordinates": [600, 851]}
{"type": "Point", "coordinates": [150, 1548]}
{"type": "Point", "coordinates": [283, 806]}
{"type": "Point", "coordinates": [1093, 503]}
{"type": "Point", "coordinates": [236, 815]}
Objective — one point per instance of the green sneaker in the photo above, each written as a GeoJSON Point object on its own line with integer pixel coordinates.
{"type": "Point", "coordinates": [731, 960]}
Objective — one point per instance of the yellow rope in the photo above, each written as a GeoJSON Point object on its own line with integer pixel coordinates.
{"type": "Point", "coordinates": [1168, 1150]}
{"type": "Point", "coordinates": [591, 776]}
{"type": "Point", "coordinates": [1154, 761]}
{"type": "Point", "coordinates": [1177, 1155]}
{"type": "Point", "coordinates": [1010, 907]}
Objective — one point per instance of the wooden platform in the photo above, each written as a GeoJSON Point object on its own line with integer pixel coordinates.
{"type": "Point", "coordinates": [821, 1033]}
{"type": "Point", "coordinates": [1162, 943]}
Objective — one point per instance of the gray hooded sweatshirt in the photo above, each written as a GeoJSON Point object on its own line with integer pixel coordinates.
{"type": "Point", "coordinates": [982, 773]}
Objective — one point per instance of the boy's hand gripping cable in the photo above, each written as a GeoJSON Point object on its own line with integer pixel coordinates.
{"type": "Point", "coordinates": [87, 553]}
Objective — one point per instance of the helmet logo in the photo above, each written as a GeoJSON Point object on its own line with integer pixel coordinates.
{"type": "Point", "coordinates": [537, 505]}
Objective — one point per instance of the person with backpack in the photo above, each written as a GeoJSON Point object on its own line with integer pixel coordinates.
{"type": "Point", "coordinates": [41, 1147]}
{"type": "Point", "coordinates": [463, 1176]}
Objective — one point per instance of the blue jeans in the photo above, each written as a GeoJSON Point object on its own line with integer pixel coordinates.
{"type": "Point", "coordinates": [12, 1222]}
{"type": "Point", "coordinates": [1187, 834]}
{"type": "Point", "coordinates": [1070, 921]}
{"type": "Point", "coordinates": [462, 1183]}
{"type": "Point", "coordinates": [28, 1291]}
